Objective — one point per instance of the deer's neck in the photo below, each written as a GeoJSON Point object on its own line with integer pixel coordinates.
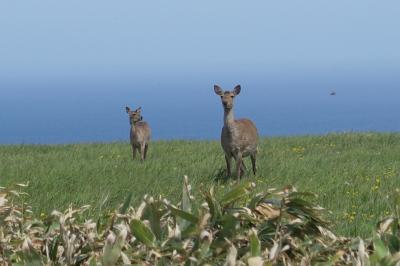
{"type": "Point", "coordinates": [133, 126]}
{"type": "Point", "coordinates": [229, 117]}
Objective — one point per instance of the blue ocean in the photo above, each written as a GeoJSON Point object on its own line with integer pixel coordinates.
{"type": "Point", "coordinates": [83, 110]}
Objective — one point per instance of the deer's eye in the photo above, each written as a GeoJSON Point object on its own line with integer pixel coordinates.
{"type": "Point", "coordinates": [222, 96]}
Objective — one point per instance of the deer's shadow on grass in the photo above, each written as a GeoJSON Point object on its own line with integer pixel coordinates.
{"type": "Point", "coordinates": [220, 176]}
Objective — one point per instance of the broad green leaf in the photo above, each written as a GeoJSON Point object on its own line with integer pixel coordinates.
{"type": "Point", "coordinates": [155, 214]}
{"type": "Point", "coordinates": [394, 243]}
{"type": "Point", "coordinates": [112, 251]}
{"type": "Point", "coordinates": [236, 193]}
{"type": "Point", "coordinates": [395, 226]}
{"type": "Point", "coordinates": [120, 241]}
{"type": "Point", "coordinates": [186, 201]}
{"type": "Point", "coordinates": [52, 227]}
{"type": "Point", "coordinates": [110, 258]}
{"type": "Point", "coordinates": [380, 248]}
{"type": "Point", "coordinates": [81, 258]}
{"type": "Point", "coordinates": [255, 200]}
{"type": "Point", "coordinates": [163, 261]}
{"type": "Point", "coordinates": [191, 230]}
{"type": "Point", "coordinates": [228, 223]}
{"type": "Point", "coordinates": [204, 250]}
{"type": "Point", "coordinates": [184, 215]}
{"type": "Point", "coordinates": [107, 260]}
{"type": "Point", "coordinates": [54, 248]}
{"type": "Point", "coordinates": [127, 202]}
{"type": "Point", "coordinates": [142, 233]}
{"type": "Point", "coordinates": [92, 261]}
{"type": "Point", "coordinates": [186, 205]}
{"type": "Point", "coordinates": [213, 205]}
{"type": "Point", "coordinates": [31, 258]}
{"type": "Point", "coordinates": [255, 246]}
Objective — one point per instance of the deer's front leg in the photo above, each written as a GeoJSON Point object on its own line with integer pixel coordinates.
{"type": "Point", "coordinates": [228, 160]}
{"type": "Point", "coordinates": [145, 150]}
{"type": "Point", "coordinates": [133, 152]}
{"type": "Point", "coordinates": [142, 151]}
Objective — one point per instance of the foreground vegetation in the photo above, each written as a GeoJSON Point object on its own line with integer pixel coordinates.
{"type": "Point", "coordinates": [238, 228]}
{"type": "Point", "coordinates": [353, 174]}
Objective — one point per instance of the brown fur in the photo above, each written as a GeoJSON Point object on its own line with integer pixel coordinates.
{"type": "Point", "coordinates": [239, 138]}
{"type": "Point", "coordinates": [140, 133]}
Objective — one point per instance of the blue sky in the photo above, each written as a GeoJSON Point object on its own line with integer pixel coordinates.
{"type": "Point", "coordinates": [96, 39]}
{"type": "Point", "coordinates": [68, 68]}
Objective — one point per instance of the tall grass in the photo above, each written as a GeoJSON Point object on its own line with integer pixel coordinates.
{"type": "Point", "coordinates": [353, 174]}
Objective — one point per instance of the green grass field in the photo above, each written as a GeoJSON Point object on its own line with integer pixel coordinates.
{"type": "Point", "coordinates": [353, 174]}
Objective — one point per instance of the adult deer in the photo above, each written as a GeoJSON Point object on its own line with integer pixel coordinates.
{"type": "Point", "coordinates": [140, 132]}
{"type": "Point", "coordinates": [239, 138]}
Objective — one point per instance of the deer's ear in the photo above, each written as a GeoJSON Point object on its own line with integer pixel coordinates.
{"type": "Point", "coordinates": [139, 109]}
{"type": "Point", "coordinates": [218, 90]}
{"type": "Point", "coordinates": [236, 90]}
{"type": "Point", "coordinates": [127, 109]}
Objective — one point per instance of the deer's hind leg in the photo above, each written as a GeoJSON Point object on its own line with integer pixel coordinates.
{"type": "Point", "coordinates": [242, 168]}
{"type": "Point", "coordinates": [239, 165]}
{"type": "Point", "coordinates": [253, 162]}
{"type": "Point", "coordinates": [228, 159]}
{"type": "Point", "coordinates": [146, 147]}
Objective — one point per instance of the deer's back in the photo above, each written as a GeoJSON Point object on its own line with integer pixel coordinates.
{"type": "Point", "coordinates": [141, 133]}
{"type": "Point", "coordinates": [240, 136]}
